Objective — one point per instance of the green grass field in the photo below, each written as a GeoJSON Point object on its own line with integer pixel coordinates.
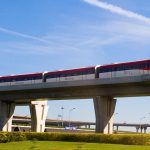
{"type": "Point", "coordinates": [46, 145]}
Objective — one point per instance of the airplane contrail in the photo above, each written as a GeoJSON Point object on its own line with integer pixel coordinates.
{"type": "Point", "coordinates": [100, 4]}
{"type": "Point", "coordinates": [23, 35]}
{"type": "Point", "coordinates": [118, 10]}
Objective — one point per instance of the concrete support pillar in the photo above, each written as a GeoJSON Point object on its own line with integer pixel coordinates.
{"type": "Point", "coordinates": [104, 110]}
{"type": "Point", "coordinates": [137, 129]}
{"type": "Point", "coordinates": [78, 127]}
{"type": "Point", "coordinates": [117, 128]}
{"type": "Point", "coordinates": [145, 129]}
{"type": "Point", "coordinates": [38, 111]}
{"type": "Point", "coordinates": [141, 129]}
{"type": "Point", "coordinates": [6, 114]}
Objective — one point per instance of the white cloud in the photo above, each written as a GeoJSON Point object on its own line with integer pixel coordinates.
{"type": "Point", "coordinates": [118, 10]}
{"type": "Point", "coordinates": [88, 38]}
{"type": "Point", "coordinates": [128, 31]}
{"type": "Point", "coordinates": [24, 47]}
{"type": "Point", "coordinates": [82, 37]}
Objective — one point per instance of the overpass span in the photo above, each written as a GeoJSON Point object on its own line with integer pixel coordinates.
{"type": "Point", "coordinates": [102, 91]}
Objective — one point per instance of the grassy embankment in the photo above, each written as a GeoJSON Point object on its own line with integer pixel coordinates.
{"type": "Point", "coordinates": [52, 145]}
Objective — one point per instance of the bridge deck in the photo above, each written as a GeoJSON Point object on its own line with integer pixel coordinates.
{"type": "Point", "coordinates": [116, 87]}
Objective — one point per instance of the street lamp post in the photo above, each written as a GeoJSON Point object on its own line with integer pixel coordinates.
{"type": "Point", "coordinates": [117, 127]}
{"type": "Point", "coordinates": [58, 116]}
{"type": "Point", "coordinates": [70, 115]}
{"type": "Point", "coordinates": [115, 115]}
{"type": "Point", "coordinates": [62, 123]}
{"type": "Point", "coordinates": [141, 120]}
{"type": "Point", "coordinates": [141, 123]}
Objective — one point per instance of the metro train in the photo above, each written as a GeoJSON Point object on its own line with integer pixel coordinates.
{"type": "Point", "coordinates": [55, 76]}
{"type": "Point", "coordinates": [21, 79]}
{"type": "Point", "coordinates": [136, 68]}
{"type": "Point", "coordinates": [70, 75]}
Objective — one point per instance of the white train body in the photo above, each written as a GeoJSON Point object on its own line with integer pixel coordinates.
{"type": "Point", "coordinates": [130, 69]}
{"type": "Point", "coordinates": [21, 79]}
{"type": "Point", "coordinates": [71, 78]}
{"type": "Point", "coordinates": [124, 73]}
{"type": "Point", "coordinates": [71, 75]}
{"type": "Point", "coordinates": [119, 70]}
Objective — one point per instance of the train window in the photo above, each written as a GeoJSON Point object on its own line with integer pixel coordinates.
{"type": "Point", "coordinates": [84, 72]}
{"type": "Point", "coordinates": [77, 73]}
{"type": "Point", "coordinates": [52, 75]}
{"type": "Point", "coordinates": [116, 68]}
{"type": "Point", "coordinates": [102, 70]}
{"type": "Point", "coordinates": [99, 70]}
{"type": "Point", "coordinates": [111, 69]}
{"type": "Point", "coordinates": [126, 67]}
{"type": "Point", "coordinates": [13, 79]}
{"type": "Point", "coordinates": [148, 65]}
{"type": "Point", "coordinates": [3, 80]}
{"type": "Point", "coordinates": [73, 74]}
{"type": "Point", "coordinates": [119, 68]}
{"type": "Point", "coordinates": [6, 80]}
{"type": "Point", "coordinates": [91, 71]}
{"type": "Point", "coordinates": [108, 69]}
{"type": "Point", "coordinates": [140, 66]}
{"type": "Point", "coordinates": [66, 75]}
{"type": "Point", "coordinates": [62, 75]}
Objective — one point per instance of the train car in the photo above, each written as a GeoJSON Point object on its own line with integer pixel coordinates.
{"type": "Point", "coordinates": [70, 75]}
{"type": "Point", "coordinates": [21, 79]}
{"type": "Point", "coordinates": [136, 68]}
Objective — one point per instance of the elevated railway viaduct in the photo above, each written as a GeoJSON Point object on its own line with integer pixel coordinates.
{"type": "Point", "coordinates": [103, 92]}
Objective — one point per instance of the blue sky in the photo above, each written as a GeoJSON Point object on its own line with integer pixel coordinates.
{"type": "Point", "coordinates": [45, 35]}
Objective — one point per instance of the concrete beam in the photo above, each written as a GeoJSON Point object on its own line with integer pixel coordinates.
{"type": "Point", "coordinates": [38, 111]}
{"type": "Point", "coordinates": [104, 110]}
{"type": "Point", "coordinates": [6, 115]}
